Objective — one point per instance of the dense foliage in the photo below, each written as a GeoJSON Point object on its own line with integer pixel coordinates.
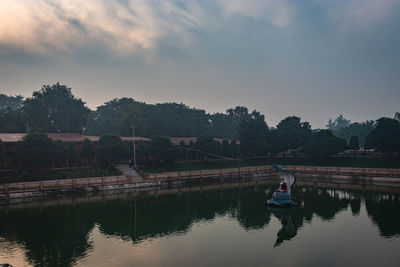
{"type": "Point", "coordinates": [36, 150]}
{"type": "Point", "coordinates": [358, 129]}
{"type": "Point", "coordinates": [339, 122]}
{"type": "Point", "coordinates": [10, 102]}
{"type": "Point", "coordinates": [386, 136]}
{"type": "Point", "coordinates": [161, 148]}
{"type": "Point", "coordinates": [88, 151]}
{"type": "Point", "coordinates": [55, 109]}
{"type": "Point", "coordinates": [1, 152]}
{"type": "Point", "coordinates": [110, 149]}
{"type": "Point", "coordinates": [323, 144]}
{"type": "Point", "coordinates": [354, 144]}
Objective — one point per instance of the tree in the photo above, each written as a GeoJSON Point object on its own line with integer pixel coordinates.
{"type": "Point", "coordinates": [60, 152]}
{"type": "Point", "coordinates": [253, 134]}
{"type": "Point", "coordinates": [110, 149]}
{"type": "Point", "coordinates": [35, 150]}
{"type": "Point", "coordinates": [353, 144]}
{"type": "Point", "coordinates": [397, 116]}
{"type": "Point", "coordinates": [386, 136]}
{"type": "Point", "coordinates": [235, 149]}
{"type": "Point", "coordinates": [1, 152]}
{"type": "Point", "coordinates": [226, 149]}
{"type": "Point", "coordinates": [207, 144]}
{"type": "Point", "coordinates": [182, 150]}
{"type": "Point", "coordinates": [12, 121]}
{"type": "Point", "coordinates": [361, 130]}
{"type": "Point", "coordinates": [88, 151]}
{"type": "Point", "coordinates": [10, 102]}
{"type": "Point", "coordinates": [162, 149]}
{"type": "Point", "coordinates": [142, 151]}
{"type": "Point", "coordinates": [292, 133]}
{"type": "Point", "coordinates": [339, 122]}
{"type": "Point", "coordinates": [323, 144]}
{"type": "Point", "coordinates": [222, 126]}
{"type": "Point", "coordinates": [55, 109]}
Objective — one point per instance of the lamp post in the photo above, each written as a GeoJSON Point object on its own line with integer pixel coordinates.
{"type": "Point", "coordinates": [134, 146]}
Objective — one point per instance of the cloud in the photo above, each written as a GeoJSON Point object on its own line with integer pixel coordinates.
{"type": "Point", "coordinates": [125, 26]}
{"type": "Point", "coordinates": [351, 15]}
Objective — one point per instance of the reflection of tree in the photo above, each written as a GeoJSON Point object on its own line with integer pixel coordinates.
{"type": "Point", "coordinates": [383, 210]}
{"type": "Point", "coordinates": [52, 237]}
{"type": "Point", "coordinates": [58, 235]}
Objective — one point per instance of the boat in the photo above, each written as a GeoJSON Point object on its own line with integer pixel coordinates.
{"type": "Point", "coordinates": [283, 199]}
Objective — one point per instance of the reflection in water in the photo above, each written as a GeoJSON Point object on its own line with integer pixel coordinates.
{"type": "Point", "coordinates": [289, 229]}
{"type": "Point", "coordinates": [59, 235]}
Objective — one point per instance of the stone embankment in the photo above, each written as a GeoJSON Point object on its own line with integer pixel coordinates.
{"type": "Point", "coordinates": [188, 178]}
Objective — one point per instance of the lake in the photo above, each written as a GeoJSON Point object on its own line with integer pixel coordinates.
{"type": "Point", "coordinates": [218, 225]}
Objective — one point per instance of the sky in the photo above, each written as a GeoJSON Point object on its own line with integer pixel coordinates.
{"type": "Point", "coordinates": [314, 59]}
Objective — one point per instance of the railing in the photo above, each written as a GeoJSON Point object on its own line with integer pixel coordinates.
{"type": "Point", "coordinates": [64, 184]}
{"type": "Point", "coordinates": [210, 173]}
{"type": "Point", "coordinates": [372, 172]}
{"type": "Point", "coordinates": [390, 174]}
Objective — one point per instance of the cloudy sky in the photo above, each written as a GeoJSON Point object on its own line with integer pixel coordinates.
{"type": "Point", "coordinates": [314, 58]}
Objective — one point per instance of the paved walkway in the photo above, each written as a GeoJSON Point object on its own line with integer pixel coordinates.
{"type": "Point", "coordinates": [129, 172]}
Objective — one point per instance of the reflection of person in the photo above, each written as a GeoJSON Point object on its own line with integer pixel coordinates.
{"type": "Point", "coordinates": [282, 186]}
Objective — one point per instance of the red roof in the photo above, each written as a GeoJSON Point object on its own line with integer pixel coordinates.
{"type": "Point", "coordinates": [177, 140]}
{"type": "Point", "coordinates": [65, 137]}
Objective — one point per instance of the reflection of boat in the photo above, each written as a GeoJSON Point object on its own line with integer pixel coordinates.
{"type": "Point", "coordinates": [289, 229]}
{"type": "Point", "coordinates": [283, 199]}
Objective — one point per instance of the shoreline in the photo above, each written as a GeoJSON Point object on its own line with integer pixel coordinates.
{"type": "Point", "coordinates": [30, 190]}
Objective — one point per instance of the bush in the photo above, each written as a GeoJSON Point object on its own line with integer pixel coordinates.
{"type": "Point", "coordinates": [111, 149]}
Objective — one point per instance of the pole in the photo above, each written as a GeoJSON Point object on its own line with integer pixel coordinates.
{"type": "Point", "coordinates": [134, 147]}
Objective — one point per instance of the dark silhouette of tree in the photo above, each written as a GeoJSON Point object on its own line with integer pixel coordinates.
{"type": "Point", "coordinates": [222, 126]}
{"type": "Point", "coordinates": [359, 129]}
{"type": "Point", "coordinates": [35, 150]}
{"type": "Point", "coordinates": [353, 144]}
{"type": "Point", "coordinates": [182, 150]}
{"type": "Point", "coordinates": [110, 149]}
{"type": "Point", "coordinates": [339, 122]}
{"type": "Point", "coordinates": [88, 151]}
{"type": "Point", "coordinates": [323, 144]}
{"type": "Point", "coordinates": [207, 144]}
{"type": "Point", "coordinates": [292, 133]}
{"type": "Point", "coordinates": [1, 152]}
{"type": "Point", "coordinates": [10, 102]}
{"type": "Point", "coordinates": [235, 149]}
{"type": "Point", "coordinates": [226, 148]}
{"type": "Point", "coordinates": [61, 152]}
{"type": "Point", "coordinates": [397, 116]}
{"type": "Point", "coordinates": [253, 132]}
{"type": "Point", "coordinates": [55, 109]}
{"type": "Point", "coordinates": [12, 121]}
{"type": "Point", "coordinates": [386, 136]}
{"type": "Point", "coordinates": [162, 148]}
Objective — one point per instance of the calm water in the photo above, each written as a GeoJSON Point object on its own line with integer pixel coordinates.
{"type": "Point", "coordinates": [208, 226]}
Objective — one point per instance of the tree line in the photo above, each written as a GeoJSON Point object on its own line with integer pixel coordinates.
{"type": "Point", "coordinates": [54, 108]}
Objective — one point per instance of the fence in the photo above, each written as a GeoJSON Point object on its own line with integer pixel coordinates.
{"type": "Point", "coordinates": [68, 184]}
{"type": "Point", "coordinates": [64, 184]}
{"type": "Point", "coordinates": [368, 172]}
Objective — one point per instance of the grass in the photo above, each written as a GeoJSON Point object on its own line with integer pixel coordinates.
{"type": "Point", "coordinates": [28, 176]}
{"type": "Point", "coordinates": [328, 162]}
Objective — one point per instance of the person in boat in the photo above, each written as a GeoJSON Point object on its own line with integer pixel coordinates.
{"type": "Point", "coordinates": [282, 186]}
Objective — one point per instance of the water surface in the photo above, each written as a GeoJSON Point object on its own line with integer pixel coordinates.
{"type": "Point", "coordinates": [205, 226]}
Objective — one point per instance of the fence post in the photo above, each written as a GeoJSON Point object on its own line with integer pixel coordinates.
{"type": "Point", "coordinates": [6, 188]}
